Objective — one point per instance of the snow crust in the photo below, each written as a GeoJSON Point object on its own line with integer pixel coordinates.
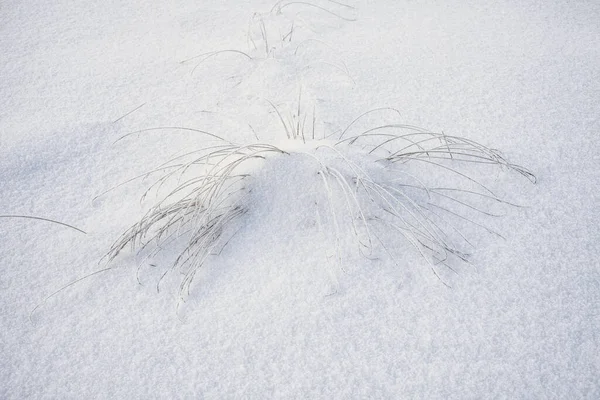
{"type": "Point", "coordinates": [273, 315]}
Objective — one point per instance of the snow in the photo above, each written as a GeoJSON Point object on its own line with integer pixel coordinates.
{"type": "Point", "coordinates": [273, 315]}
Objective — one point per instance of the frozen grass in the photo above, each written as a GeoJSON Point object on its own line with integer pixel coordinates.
{"type": "Point", "coordinates": [270, 33]}
{"type": "Point", "coordinates": [280, 5]}
{"type": "Point", "coordinates": [385, 181]}
{"type": "Point", "coordinates": [385, 178]}
{"type": "Point", "coordinates": [43, 219]}
{"type": "Point", "coordinates": [201, 206]}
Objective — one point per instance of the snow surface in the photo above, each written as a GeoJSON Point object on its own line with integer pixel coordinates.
{"type": "Point", "coordinates": [270, 317]}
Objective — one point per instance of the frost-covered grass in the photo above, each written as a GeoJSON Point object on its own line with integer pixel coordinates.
{"type": "Point", "coordinates": [35, 218]}
{"type": "Point", "coordinates": [366, 179]}
{"type": "Point", "coordinates": [305, 226]}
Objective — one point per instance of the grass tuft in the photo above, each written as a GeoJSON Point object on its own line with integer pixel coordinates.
{"type": "Point", "coordinates": [206, 199]}
{"type": "Point", "coordinates": [380, 184]}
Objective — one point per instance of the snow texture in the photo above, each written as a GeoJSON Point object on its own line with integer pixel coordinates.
{"type": "Point", "coordinates": [93, 94]}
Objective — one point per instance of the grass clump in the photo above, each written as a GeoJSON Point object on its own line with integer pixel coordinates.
{"type": "Point", "coordinates": [380, 185]}
{"type": "Point", "coordinates": [208, 197]}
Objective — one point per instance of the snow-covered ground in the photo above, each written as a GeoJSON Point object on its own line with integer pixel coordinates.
{"type": "Point", "coordinates": [273, 316]}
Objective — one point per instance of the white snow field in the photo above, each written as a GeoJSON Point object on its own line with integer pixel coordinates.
{"type": "Point", "coordinates": [334, 270]}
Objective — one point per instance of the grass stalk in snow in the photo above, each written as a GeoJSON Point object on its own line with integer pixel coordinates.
{"type": "Point", "coordinates": [44, 219]}
{"type": "Point", "coordinates": [76, 281]}
{"type": "Point", "coordinates": [280, 5]}
{"type": "Point", "coordinates": [206, 56]}
{"type": "Point", "coordinates": [367, 179]}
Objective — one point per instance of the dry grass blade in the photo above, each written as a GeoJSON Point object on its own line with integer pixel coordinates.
{"type": "Point", "coordinates": [180, 128]}
{"type": "Point", "coordinates": [44, 219]}
{"type": "Point", "coordinates": [364, 115]}
{"type": "Point", "coordinates": [64, 288]}
{"type": "Point", "coordinates": [280, 7]}
{"type": "Point", "coordinates": [215, 53]}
